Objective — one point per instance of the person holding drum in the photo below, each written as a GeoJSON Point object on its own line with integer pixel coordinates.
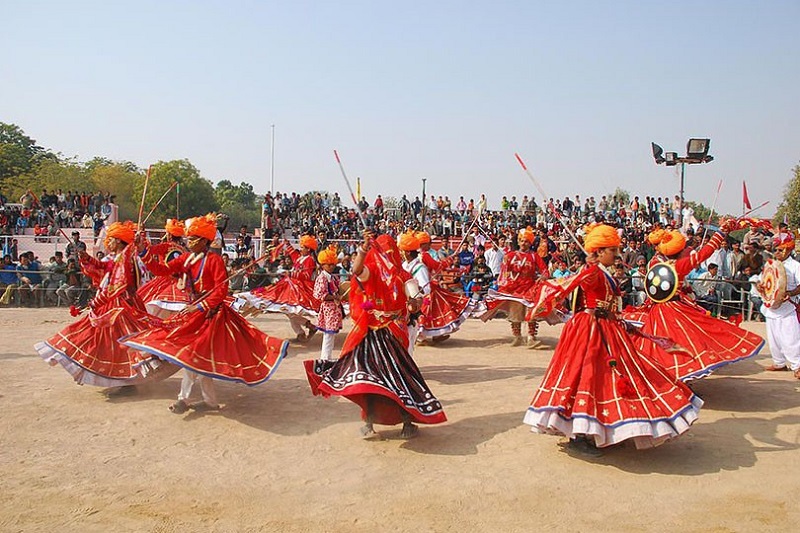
{"type": "Point", "coordinates": [779, 287]}
{"type": "Point", "coordinates": [326, 290]}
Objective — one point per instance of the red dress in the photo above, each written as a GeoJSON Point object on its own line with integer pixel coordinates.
{"type": "Point", "coordinates": [216, 342]}
{"type": "Point", "coordinates": [704, 343]}
{"type": "Point", "coordinates": [519, 274]}
{"type": "Point", "coordinates": [89, 349]}
{"type": "Point", "coordinates": [164, 295]}
{"type": "Point", "coordinates": [375, 359]}
{"type": "Point", "coordinates": [293, 295]}
{"type": "Point", "coordinates": [443, 311]}
{"type": "Point", "coordinates": [599, 385]}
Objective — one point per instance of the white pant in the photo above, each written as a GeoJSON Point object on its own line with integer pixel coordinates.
{"type": "Point", "coordinates": [206, 387]}
{"type": "Point", "coordinates": [413, 333]}
{"type": "Point", "coordinates": [783, 335]}
{"type": "Point", "coordinates": [326, 354]}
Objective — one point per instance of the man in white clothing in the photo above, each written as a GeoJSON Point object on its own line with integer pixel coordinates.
{"type": "Point", "coordinates": [494, 255]}
{"type": "Point", "coordinates": [783, 327]}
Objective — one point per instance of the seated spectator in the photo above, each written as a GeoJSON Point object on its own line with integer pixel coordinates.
{"type": "Point", "coordinates": [69, 291]}
{"type": "Point", "coordinates": [479, 280]}
{"type": "Point", "coordinates": [29, 278]}
{"type": "Point", "coordinates": [705, 288]}
{"type": "Point", "coordinates": [8, 280]}
{"type": "Point", "coordinates": [55, 277]}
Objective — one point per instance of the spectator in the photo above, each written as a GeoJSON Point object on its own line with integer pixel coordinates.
{"type": "Point", "coordinates": [69, 291]}
{"type": "Point", "coordinates": [76, 246]}
{"type": "Point", "coordinates": [29, 278]}
{"type": "Point", "coordinates": [55, 277]}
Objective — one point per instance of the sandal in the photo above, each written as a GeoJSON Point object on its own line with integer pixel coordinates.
{"type": "Point", "coordinates": [179, 407]}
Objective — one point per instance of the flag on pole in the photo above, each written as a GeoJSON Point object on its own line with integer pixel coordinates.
{"type": "Point", "coordinates": [786, 218]}
{"type": "Point", "coordinates": [358, 189]}
{"type": "Point", "coordinates": [745, 198]}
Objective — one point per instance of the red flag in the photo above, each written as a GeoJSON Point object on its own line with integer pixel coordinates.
{"type": "Point", "coordinates": [745, 199]}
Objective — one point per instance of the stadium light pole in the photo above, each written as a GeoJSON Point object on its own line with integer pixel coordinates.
{"type": "Point", "coordinates": [696, 152]}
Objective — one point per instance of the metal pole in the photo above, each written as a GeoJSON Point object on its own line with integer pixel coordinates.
{"type": "Point", "coordinates": [680, 205]}
{"type": "Point", "coordinates": [424, 205]}
{"type": "Point", "coordinates": [272, 164]}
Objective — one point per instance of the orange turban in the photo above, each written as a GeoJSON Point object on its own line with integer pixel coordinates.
{"type": "Point", "coordinates": [328, 256]}
{"type": "Point", "coordinates": [527, 234]}
{"type": "Point", "coordinates": [205, 227]}
{"type": "Point", "coordinates": [423, 237]}
{"type": "Point", "coordinates": [601, 236]}
{"type": "Point", "coordinates": [308, 241]}
{"type": "Point", "coordinates": [783, 240]}
{"type": "Point", "coordinates": [673, 242]}
{"type": "Point", "coordinates": [175, 227]}
{"type": "Point", "coordinates": [408, 241]}
{"type": "Point", "coordinates": [124, 231]}
{"type": "Point", "coordinates": [655, 236]}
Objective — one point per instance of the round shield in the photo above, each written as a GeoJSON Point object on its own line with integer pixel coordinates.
{"type": "Point", "coordinates": [773, 279]}
{"type": "Point", "coordinates": [661, 282]}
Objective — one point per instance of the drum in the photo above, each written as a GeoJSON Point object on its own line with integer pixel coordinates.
{"type": "Point", "coordinates": [661, 282]}
{"type": "Point", "coordinates": [344, 289]}
{"type": "Point", "coordinates": [773, 281]}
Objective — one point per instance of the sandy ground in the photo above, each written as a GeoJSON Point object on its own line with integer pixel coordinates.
{"type": "Point", "coordinates": [277, 458]}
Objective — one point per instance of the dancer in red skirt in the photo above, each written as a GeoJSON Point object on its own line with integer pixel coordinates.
{"type": "Point", "coordinates": [599, 389]}
{"type": "Point", "coordinates": [165, 295]}
{"type": "Point", "coordinates": [293, 295]}
{"type": "Point", "coordinates": [703, 342]}
{"type": "Point", "coordinates": [519, 274]}
{"type": "Point", "coordinates": [208, 339]}
{"type": "Point", "coordinates": [375, 370]}
{"type": "Point", "coordinates": [89, 349]}
{"type": "Point", "coordinates": [443, 311]}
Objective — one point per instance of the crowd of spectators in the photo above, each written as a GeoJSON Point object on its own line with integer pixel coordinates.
{"type": "Point", "coordinates": [52, 209]}
{"type": "Point", "coordinates": [480, 236]}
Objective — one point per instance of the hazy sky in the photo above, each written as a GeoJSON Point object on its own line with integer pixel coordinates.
{"type": "Point", "coordinates": [404, 90]}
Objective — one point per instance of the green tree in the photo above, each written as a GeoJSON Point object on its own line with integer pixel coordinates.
{"type": "Point", "coordinates": [195, 193]}
{"type": "Point", "coordinates": [119, 179]}
{"type": "Point", "coordinates": [18, 152]}
{"type": "Point", "coordinates": [790, 205]}
{"type": "Point", "coordinates": [623, 197]}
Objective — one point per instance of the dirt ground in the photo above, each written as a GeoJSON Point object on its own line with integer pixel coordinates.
{"type": "Point", "coordinates": [277, 458]}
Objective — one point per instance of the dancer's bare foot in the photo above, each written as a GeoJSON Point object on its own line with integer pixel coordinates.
{"type": "Point", "coordinates": [369, 433]}
{"type": "Point", "coordinates": [179, 407]}
{"type": "Point", "coordinates": [409, 431]}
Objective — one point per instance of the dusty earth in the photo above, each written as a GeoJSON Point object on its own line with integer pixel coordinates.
{"type": "Point", "coordinates": [277, 458]}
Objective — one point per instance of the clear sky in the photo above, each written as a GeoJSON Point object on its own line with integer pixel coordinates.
{"type": "Point", "coordinates": [446, 90]}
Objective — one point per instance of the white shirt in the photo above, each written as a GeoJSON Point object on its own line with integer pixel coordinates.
{"type": "Point", "coordinates": [494, 259]}
{"type": "Point", "coordinates": [419, 272]}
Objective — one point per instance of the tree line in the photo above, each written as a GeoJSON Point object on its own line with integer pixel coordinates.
{"type": "Point", "coordinates": [24, 165]}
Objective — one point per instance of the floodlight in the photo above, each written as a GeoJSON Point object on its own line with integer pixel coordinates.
{"type": "Point", "coordinates": [697, 148]}
{"type": "Point", "coordinates": [657, 153]}
{"type": "Point", "coordinates": [671, 159]}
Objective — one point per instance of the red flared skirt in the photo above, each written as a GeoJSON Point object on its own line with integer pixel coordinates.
{"type": "Point", "coordinates": [704, 343]}
{"type": "Point", "coordinates": [220, 344]}
{"type": "Point", "coordinates": [92, 345]}
{"type": "Point", "coordinates": [161, 296]}
{"type": "Point", "coordinates": [584, 393]}
{"type": "Point", "coordinates": [289, 296]}
{"type": "Point", "coordinates": [443, 312]}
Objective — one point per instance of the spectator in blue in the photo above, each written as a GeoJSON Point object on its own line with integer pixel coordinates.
{"type": "Point", "coordinates": [29, 277]}
{"type": "Point", "coordinates": [465, 256]}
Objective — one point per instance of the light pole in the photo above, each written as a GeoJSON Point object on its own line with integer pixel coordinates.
{"type": "Point", "coordinates": [696, 152]}
{"type": "Point", "coordinates": [424, 205]}
{"type": "Point", "coordinates": [272, 164]}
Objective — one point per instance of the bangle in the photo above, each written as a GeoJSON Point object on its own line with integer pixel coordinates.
{"type": "Point", "coordinates": [361, 250]}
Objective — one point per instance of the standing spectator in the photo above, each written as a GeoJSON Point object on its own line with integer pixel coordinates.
{"type": "Point", "coordinates": [494, 255]}
{"type": "Point", "coordinates": [76, 246]}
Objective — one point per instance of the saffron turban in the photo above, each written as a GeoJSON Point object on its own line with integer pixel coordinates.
{"type": "Point", "coordinates": [423, 237]}
{"type": "Point", "coordinates": [124, 231]}
{"type": "Point", "coordinates": [205, 227]}
{"type": "Point", "coordinates": [673, 242]}
{"type": "Point", "coordinates": [175, 227]}
{"type": "Point", "coordinates": [328, 256]}
{"type": "Point", "coordinates": [783, 240]}
{"type": "Point", "coordinates": [526, 234]}
{"type": "Point", "coordinates": [308, 241]}
{"type": "Point", "coordinates": [655, 236]}
{"type": "Point", "coordinates": [408, 242]}
{"type": "Point", "coordinates": [601, 236]}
